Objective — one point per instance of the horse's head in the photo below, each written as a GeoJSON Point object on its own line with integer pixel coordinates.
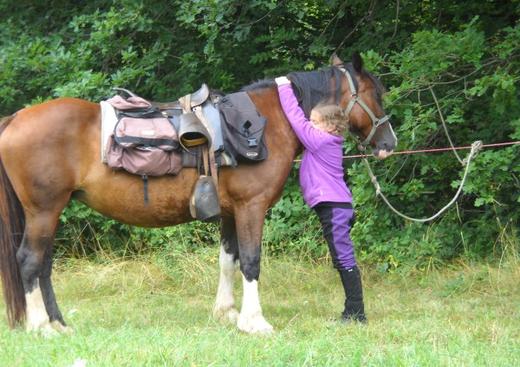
{"type": "Point", "coordinates": [362, 101]}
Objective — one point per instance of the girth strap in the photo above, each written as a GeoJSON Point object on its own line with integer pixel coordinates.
{"type": "Point", "coordinates": [213, 172]}
{"type": "Point", "coordinates": [145, 189]}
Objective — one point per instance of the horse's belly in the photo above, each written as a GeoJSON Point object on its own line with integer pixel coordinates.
{"type": "Point", "coordinates": [121, 196]}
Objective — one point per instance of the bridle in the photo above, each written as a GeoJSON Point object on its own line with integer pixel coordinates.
{"type": "Point", "coordinates": [376, 122]}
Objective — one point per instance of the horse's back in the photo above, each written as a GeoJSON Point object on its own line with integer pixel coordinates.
{"type": "Point", "coordinates": [43, 149]}
{"type": "Point", "coordinates": [55, 122]}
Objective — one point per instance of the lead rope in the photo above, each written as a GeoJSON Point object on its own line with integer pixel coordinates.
{"type": "Point", "coordinates": [475, 148]}
{"type": "Point", "coordinates": [444, 125]}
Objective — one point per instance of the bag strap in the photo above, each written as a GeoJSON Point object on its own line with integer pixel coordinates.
{"type": "Point", "coordinates": [205, 160]}
{"type": "Point", "coordinates": [213, 171]}
{"type": "Point", "coordinates": [129, 93]}
{"type": "Point", "coordinates": [213, 167]}
{"type": "Point", "coordinates": [186, 101]}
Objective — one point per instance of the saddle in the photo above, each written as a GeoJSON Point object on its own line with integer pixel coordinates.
{"type": "Point", "coordinates": [201, 130]}
{"type": "Point", "coordinates": [147, 138]}
{"type": "Point", "coordinates": [196, 99]}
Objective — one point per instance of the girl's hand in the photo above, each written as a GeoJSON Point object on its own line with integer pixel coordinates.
{"type": "Point", "coordinates": [281, 80]}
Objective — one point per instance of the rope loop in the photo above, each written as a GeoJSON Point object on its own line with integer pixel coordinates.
{"type": "Point", "coordinates": [475, 148]}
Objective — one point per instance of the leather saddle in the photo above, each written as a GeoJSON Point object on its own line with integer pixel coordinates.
{"type": "Point", "coordinates": [196, 99]}
{"type": "Point", "coordinates": [196, 128]}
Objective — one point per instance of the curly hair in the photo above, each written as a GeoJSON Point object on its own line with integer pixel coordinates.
{"type": "Point", "coordinates": [332, 118]}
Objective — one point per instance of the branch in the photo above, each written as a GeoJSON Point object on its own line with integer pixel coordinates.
{"type": "Point", "coordinates": [367, 15]}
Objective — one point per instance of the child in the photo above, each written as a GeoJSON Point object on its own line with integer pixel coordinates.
{"type": "Point", "coordinates": [324, 190]}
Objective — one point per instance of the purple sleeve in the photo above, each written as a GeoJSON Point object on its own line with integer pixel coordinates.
{"type": "Point", "coordinates": [311, 137]}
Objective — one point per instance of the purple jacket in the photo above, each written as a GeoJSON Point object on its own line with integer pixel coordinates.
{"type": "Point", "coordinates": [321, 170]}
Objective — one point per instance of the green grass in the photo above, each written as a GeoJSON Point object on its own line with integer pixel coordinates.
{"type": "Point", "coordinates": [150, 312]}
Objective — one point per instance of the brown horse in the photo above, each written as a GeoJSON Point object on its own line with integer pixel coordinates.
{"type": "Point", "coordinates": [50, 153]}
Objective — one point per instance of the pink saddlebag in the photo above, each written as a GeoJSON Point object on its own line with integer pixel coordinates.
{"type": "Point", "coordinates": [144, 142]}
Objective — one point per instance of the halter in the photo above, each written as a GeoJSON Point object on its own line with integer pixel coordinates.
{"type": "Point", "coordinates": [376, 122]}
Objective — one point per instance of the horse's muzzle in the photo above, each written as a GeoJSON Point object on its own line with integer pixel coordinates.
{"type": "Point", "coordinates": [382, 154]}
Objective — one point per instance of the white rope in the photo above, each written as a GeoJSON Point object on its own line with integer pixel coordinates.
{"type": "Point", "coordinates": [445, 127]}
{"type": "Point", "coordinates": [475, 148]}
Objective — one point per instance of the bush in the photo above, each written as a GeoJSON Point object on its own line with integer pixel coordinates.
{"type": "Point", "coordinates": [164, 49]}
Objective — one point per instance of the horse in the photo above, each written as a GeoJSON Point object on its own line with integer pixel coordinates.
{"type": "Point", "coordinates": [50, 154]}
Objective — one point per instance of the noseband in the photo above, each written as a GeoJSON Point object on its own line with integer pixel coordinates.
{"type": "Point", "coordinates": [376, 122]}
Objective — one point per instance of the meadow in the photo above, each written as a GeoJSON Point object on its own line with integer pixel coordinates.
{"type": "Point", "coordinates": [156, 311]}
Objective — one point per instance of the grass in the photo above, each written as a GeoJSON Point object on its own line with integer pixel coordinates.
{"type": "Point", "coordinates": [156, 312]}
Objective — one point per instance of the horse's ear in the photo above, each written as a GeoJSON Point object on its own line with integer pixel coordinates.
{"type": "Point", "coordinates": [335, 60]}
{"type": "Point", "coordinates": [357, 62]}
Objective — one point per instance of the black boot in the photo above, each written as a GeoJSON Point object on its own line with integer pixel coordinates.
{"type": "Point", "coordinates": [354, 307]}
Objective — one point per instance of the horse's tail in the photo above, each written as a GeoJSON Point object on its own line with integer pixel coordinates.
{"type": "Point", "coordinates": [12, 224]}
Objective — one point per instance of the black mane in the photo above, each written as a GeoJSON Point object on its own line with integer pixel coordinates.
{"type": "Point", "coordinates": [313, 87]}
{"type": "Point", "coordinates": [260, 84]}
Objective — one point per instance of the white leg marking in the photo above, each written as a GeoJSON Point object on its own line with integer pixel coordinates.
{"type": "Point", "coordinates": [251, 319]}
{"type": "Point", "coordinates": [37, 318]}
{"type": "Point", "coordinates": [225, 303]}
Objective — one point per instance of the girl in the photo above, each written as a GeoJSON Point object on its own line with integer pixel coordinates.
{"type": "Point", "coordinates": [324, 190]}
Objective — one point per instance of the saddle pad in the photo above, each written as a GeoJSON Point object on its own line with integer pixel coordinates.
{"type": "Point", "coordinates": [108, 123]}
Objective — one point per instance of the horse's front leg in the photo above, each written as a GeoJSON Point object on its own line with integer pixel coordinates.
{"type": "Point", "coordinates": [249, 224]}
{"type": "Point", "coordinates": [225, 303]}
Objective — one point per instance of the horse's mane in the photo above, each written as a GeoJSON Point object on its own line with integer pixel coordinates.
{"type": "Point", "coordinates": [313, 87]}
{"type": "Point", "coordinates": [260, 84]}
{"type": "Point", "coordinates": [310, 87]}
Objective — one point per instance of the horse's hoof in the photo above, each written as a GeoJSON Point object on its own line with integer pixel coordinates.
{"type": "Point", "coordinates": [49, 332]}
{"type": "Point", "coordinates": [254, 324]}
{"type": "Point", "coordinates": [44, 329]}
{"type": "Point", "coordinates": [60, 328]}
{"type": "Point", "coordinates": [49, 329]}
{"type": "Point", "coordinates": [228, 315]}
{"type": "Point", "coordinates": [35, 325]}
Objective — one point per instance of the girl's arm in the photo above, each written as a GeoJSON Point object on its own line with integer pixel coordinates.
{"type": "Point", "coordinates": [311, 137]}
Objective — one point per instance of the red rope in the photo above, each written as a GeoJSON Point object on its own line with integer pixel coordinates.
{"type": "Point", "coordinates": [432, 150]}
{"type": "Point", "coordinates": [436, 150]}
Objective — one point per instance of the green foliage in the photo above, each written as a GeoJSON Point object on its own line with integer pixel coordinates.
{"type": "Point", "coordinates": [465, 53]}
{"type": "Point", "coordinates": [292, 228]}
{"type": "Point", "coordinates": [474, 79]}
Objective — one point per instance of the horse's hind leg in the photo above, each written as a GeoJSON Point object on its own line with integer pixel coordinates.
{"type": "Point", "coordinates": [249, 224]}
{"type": "Point", "coordinates": [49, 298]}
{"type": "Point", "coordinates": [34, 259]}
{"type": "Point", "coordinates": [225, 303]}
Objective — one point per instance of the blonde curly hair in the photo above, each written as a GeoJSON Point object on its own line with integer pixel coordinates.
{"type": "Point", "coordinates": [330, 118]}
